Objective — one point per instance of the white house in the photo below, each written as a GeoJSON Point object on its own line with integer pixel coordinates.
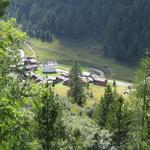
{"type": "Point", "coordinates": [49, 67]}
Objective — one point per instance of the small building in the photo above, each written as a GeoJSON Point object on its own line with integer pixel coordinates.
{"type": "Point", "coordinates": [49, 67]}
{"type": "Point", "coordinates": [66, 81]}
{"type": "Point", "coordinates": [61, 78]}
{"type": "Point", "coordinates": [51, 78]}
{"type": "Point", "coordinates": [29, 64]}
{"type": "Point", "coordinates": [90, 79]}
{"type": "Point", "coordinates": [86, 74]}
{"type": "Point", "coordinates": [30, 67]}
{"type": "Point", "coordinates": [99, 73]}
{"type": "Point", "coordinates": [100, 81]}
{"type": "Point", "coordinates": [65, 74]}
{"type": "Point", "coordinates": [84, 79]}
{"type": "Point", "coordinates": [39, 79]}
{"type": "Point", "coordinates": [29, 61]}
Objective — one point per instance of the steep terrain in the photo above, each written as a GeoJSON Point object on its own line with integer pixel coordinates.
{"type": "Point", "coordinates": [123, 25]}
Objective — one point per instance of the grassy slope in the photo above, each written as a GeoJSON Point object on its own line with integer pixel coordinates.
{"type": "Point", "coordinates": [97, 91]}
{"type": "Point", "coordinates": [88, 52]}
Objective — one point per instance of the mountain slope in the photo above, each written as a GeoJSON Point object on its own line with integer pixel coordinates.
{"type": "Point", "coordinates": [123, 25]}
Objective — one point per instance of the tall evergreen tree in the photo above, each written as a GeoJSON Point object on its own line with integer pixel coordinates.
{"type": "Point", "coordinates": [142, 102]}
{"type": "Point", "coordinates": [120, 120]}
{"type": "Point", "coordinates": [3, 5]}
{"type": "Point", "coordinates": [76, 91]}
{"type": "Point", "coordinates": [49, 120]}
{"type": "Point", "coordinates": [104, 107]}
{"type": "Point", "coordinates": [114, 116]}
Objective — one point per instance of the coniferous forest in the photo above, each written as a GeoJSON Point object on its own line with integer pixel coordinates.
{"type": "Point", "coordinates": [121, 26]}
{"type": "Point", "coordinates": [34, 117]}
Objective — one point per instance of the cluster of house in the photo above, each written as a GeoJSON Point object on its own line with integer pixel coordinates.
{"type": "Point", "coordinates": [30, 64]}
{"type": "Point", "coordinates": [86, 77]}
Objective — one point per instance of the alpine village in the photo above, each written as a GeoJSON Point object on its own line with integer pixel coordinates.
{"type": "Point", "coordinates": [74, 75]}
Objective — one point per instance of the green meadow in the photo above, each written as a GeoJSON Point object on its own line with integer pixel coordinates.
{"type": "Point", "coordinates": [88, 52]}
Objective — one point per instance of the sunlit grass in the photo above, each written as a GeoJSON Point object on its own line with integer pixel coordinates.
{"type": "Point", "coordinates": [97, 92]}
{"type": "Point", "coordinates": [39, 72]}
{"type": "Point", "coordinates": [88, 52]}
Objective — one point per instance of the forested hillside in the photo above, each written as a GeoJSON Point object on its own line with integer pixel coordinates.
{"type": "Point", "coordinates": [123, 26]}
{"type": "Point", "coordinates": [34, 116]}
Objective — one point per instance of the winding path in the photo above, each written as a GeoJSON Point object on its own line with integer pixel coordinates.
{"type": "Point", "coordinates": [31, 49]}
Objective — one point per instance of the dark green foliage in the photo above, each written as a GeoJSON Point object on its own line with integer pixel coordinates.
{"type": "Point", "coordinates": [112, 114]}
{"type": "Point", "coordinates": [104, 107]}
{"type": "Point", "coordinates": [3, 5]}
{"type": "Point", "coordinates": [114, 83]}
{"type": "Point", "coordinates": [49, 120]}
{"type": "Point", "coordinates": [142, 101]}
{"type": "Point", "coordinates": [15, 123]}
{"type": "Point", "coordinates": [120, 122]}
{"type": "Point", "coordinates": [76, 91]}
{"type": "Point", "coordinates": [122, 26]}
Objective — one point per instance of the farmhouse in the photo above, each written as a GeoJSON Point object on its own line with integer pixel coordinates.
{"type": "Point", "coordinates": [100, 81]}
{"type": "Point", "coordinates": [49, 67]}
{"type": "Point", "coordinates": [29, 63]}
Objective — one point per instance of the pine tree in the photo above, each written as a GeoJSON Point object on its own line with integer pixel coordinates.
{"type": "Point", "coordinates": [104, 107]}
{"type": "Point", "coordinates": [49, 120]}
{"type": "Point", "coordinates": [3, 5]}
{"type": "Point", "coordinates": [76, 91]}
{"type": "Point", "coordinates": [114, 116]}
{"type": "Point", "coordinates": [120, 122]}
{"type": "Point", "coordinates": [142, 95]}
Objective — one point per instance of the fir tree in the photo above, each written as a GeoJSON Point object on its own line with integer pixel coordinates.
{"type": "Point", "coordinates": [3, 5]}
{"type": "Point", "coordinates": [114, 116]}
{"type": "Point", "coordinates": [142, 102]}
{"type": "Point", "coordinates": [104, 107]}
{"type": "Point", "coordinates": [120, 122]}
{"type": "Point", "coordinates": [49, 123]}
{"type": "Point", "coordinates": [76, 91]}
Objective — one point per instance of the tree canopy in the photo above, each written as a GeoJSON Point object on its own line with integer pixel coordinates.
{"type": "Point", "coordinates": [122, 26]}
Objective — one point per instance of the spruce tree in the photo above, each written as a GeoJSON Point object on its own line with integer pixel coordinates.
{"type": "Point", "coordinates": [76, 91]}
{"type": "Point", "coordinates": [142, 102]}
{"type": "Point", "coordinates": [3, 5]}
{"type": "Point", "coordinates": [114, 116]}
{"type": "Point", "coordinates": [120, 120]}
{"type": "Point", "coordinates": [104, 107]}
{"type": "Point", "coordinates": [49, 120]}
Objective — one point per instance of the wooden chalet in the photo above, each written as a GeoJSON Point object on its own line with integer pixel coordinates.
{"type": "Point", "coordinates": [100, 81]}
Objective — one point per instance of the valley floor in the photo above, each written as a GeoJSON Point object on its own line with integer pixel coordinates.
{"type": "Point", "coordinates": [89, 53]}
